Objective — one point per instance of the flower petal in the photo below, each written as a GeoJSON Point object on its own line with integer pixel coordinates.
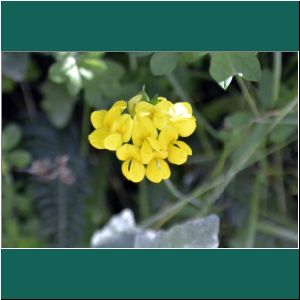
{"type": "Point", "coordinates": [185, 127]}
{"type": "Point", "coordinates": [153, 172]}
{"type": "Point", "coordinates": [97, 118]}
{"type": "Point", "coordinates": [184, 146]}
{"type": "Point", "coordinates": [176, 155]}
{"type": "Point", "coordinates": [164, 169]}
{"type": "Point", "coordinates": [96, 138]}
{"type": "Point", "coordinates": [133, 170]}
{"type": "Point", "coordinates": [142, 128]}
{"type": "Point", "coordinates": [128, 151]}
{"type": "Point", "coordinates": [167, 136]}
{"type": "Point", "coordinates": [144, 108]}
{"type": "Point", "coordinates": [183, 109]}
{"type": "Point", "coordinates": [137, 171]}
{"type": "Point", "coordinates": [113, 141]}
{"type": "Point", "coordinates": [124, 126]}
{"type": "Point", "coordinates": [147, 152]}
{"type": "Point", "coordinates": [114, 113]}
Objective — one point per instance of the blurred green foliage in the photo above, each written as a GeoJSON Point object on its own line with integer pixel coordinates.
{"type": "Point", "coordinates": [57, 190]}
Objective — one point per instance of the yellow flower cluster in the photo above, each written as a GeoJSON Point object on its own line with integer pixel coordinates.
{"type": "Point", "coordinates": [146, 137]}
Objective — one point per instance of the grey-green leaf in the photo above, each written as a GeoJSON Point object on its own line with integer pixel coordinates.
{"type": "Point", "coordinates": [163, 63]}
{"type": "Point", "coordinates": [190, 57]}
{"type": "Point", "coordinates": [225, 65]}
{"type": "Point", "coordinates": [282, 132]}
{"type": "Point", "coordinates": [198, 233]}
{"type": "Point", "coordinates": [11, 136]}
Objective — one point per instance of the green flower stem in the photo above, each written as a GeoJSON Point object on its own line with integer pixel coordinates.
{"type": "Point", "coordinates": [277, 231]}
{"type": "Point", "coordinates": [249, 99]}
{"type": "Point", "coordinates": [276, 75]}
{"type": "Point", "coordinates": [84, 149]}
{"type": "Point", "coordinates": [253, 212]}
{"type": "Point", "coordinates": [144, 209]}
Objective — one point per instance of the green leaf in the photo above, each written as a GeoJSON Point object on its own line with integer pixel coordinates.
{"type": "Point", "coordinates": [19, 158]}
{"type": "Point", "coordinates": [190, 57]}
{"type": "Point", "coordinates": [163, 63]}
{"type": "Point", "coordinates": [282, 132]}
{"type": "Point", "coordinates": [57, 103]}
{"type": "Point", "coordinates": [11, 136]}
{"type": "Point", "coordinates": [224, 66]}
{"type": "Point", "coordinates": [105, 85]}
{"type": "Point", "coordinates": [14, 65]}
{"type": "Point", "coordinates": [66, 70]}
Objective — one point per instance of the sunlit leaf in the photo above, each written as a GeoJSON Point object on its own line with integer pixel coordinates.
{"type": "Point", "coordinates": [225, 65]}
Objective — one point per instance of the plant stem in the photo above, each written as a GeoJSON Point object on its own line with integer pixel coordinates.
{"type": "Point", "coordinates": [84, 129]}
{"type": "Point", "coordinates": [247, 96]}
{"type": "Point", "coordinates": [276, 75]}
{"type": "Point", "coordinates": [277, 231]}
{"type": "Point", "coordinates": [253, 212]}
{"type": "Point", "coordinates": [184, 96]}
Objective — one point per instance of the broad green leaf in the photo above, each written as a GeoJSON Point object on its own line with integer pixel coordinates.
{"type": "Point", "coordinates": [163, 63]}
{"type": "Point", "coordinates": [225, 65]}
{"type": "Point", "coordinates": [19, 158]}
{"type": "Point", "coordinates": [190, 57]}
{"type": "Point", "coordinates": [14, 65]}
{"type": "Point", "coordinates": [57, 103]}
{"type": "Point", "coordinates": [282, 132]}
{"type": "Point", "coordinates": [11, 136]}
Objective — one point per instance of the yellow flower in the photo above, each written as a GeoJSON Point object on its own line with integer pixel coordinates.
{"type": "Point", "coordinates": [112, 128]}
{"type": "Point", "coordinates": [146, 138]}
{"type": "Point", "coordinates": [178, 151]}
{"type": "Point", "coordinates": [143, 128]}
{"type": "Point", "coordinates": [132, 167]}
{"type": "Point", "coordinates": [164, 113]}
{"type": "Point", "coordinates": [154, 157]}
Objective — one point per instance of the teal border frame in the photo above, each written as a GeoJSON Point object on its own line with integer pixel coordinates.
{"type": "Point", "coordinates": [150, 274]}
{"type": "Point", "coordinates": [146, 25]}
{"type": "Point", "coordinates": [155, 26]}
